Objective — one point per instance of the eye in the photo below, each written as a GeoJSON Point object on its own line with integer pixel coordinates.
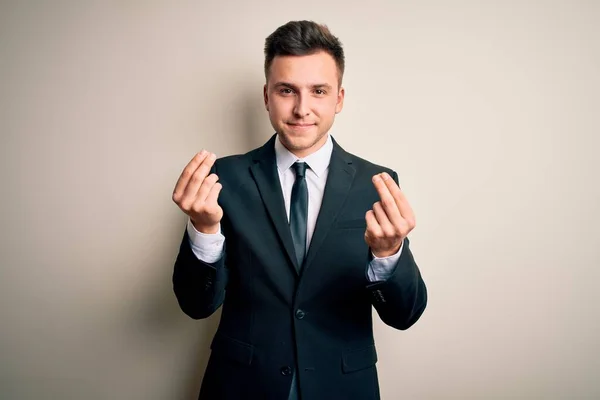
{"type": "Point", "coordinates": [286, 91]}
{"type": "Point", "coordinates": [320, 92]}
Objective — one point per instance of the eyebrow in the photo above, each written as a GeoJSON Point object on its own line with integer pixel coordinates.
{"type": "Point", "coordinates": [315, 86]}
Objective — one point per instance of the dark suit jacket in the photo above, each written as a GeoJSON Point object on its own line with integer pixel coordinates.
{"type": "Point", "coordinates": [275, 320]}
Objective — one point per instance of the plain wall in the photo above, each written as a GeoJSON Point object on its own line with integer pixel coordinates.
{"type": "Point", "coordinates": [488, 111]}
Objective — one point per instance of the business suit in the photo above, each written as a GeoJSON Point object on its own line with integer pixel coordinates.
{"type": "Point", "coordinates": [277, 321]}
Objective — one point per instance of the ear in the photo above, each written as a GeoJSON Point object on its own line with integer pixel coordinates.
{"type": "Point", "coordinates": [266, 97]}
{"type": "Point", "coordinates": [340, 100]}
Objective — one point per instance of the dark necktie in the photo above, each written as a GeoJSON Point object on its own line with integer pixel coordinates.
{"type": "Point", "coordinates": [298, 218]}
{"type": "Point", "coordinates": [299, 212]}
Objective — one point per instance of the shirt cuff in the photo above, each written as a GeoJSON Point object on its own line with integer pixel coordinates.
{"type": "Point", "coordinates": [381, 268]}
{"type": "Point", "coordinates": [208, 247]}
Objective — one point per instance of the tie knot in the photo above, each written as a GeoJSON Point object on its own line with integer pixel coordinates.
{"type": "Point", "coordinates": [300, 168]}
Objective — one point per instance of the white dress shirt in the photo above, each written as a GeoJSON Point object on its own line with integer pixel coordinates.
{"type": "Point", "coordinates": [209, 247]}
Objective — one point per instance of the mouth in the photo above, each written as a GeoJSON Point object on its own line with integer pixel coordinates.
{"type": "Point", "coordinates": [300, 126]}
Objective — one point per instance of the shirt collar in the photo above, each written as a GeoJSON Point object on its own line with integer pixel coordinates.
{"type": "Point", "coordinates": [317, 161]}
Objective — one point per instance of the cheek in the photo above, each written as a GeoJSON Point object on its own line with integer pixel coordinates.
{"type": "Point", "coordinates": [280, 107]}
{"type": "Point", "coordinates": [327, 108]}
{"type": "Point", "coordinates": [274, 109]}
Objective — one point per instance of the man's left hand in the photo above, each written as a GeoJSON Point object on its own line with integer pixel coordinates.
{"type": "Point", "coordinates": [390, 220]}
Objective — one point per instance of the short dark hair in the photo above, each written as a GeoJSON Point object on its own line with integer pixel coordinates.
{"type": "Point", "coordinates": [300, 38]}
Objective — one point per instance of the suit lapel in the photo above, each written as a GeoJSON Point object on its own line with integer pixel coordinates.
{"type": "Point", "coordinates": [339, 180]}
{"type": "Point", "coordinates": [264, 171]}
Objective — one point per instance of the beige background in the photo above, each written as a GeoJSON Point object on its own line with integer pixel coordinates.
{"type": "Point", "coordinates": [489, 111]}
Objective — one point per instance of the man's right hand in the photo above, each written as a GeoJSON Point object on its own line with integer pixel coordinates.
{"type": "Point", "coordinates": [196, 193]}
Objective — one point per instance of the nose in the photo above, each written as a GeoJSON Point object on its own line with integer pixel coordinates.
{"type": "Point", "coordinates": [301, 108]}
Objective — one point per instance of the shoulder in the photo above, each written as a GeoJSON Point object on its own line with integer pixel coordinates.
{"type": "Point", "coordinates": [232, 165]}
{"type": "Point", "coordinates": [235, 169]}
{"type": "Point", "coordinates": [236, 163]}
{"type": "Point", "coordinates": [364, 167]}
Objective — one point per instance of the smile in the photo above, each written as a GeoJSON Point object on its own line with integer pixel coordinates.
{"type": "Point", "coordinates": [301, 126]}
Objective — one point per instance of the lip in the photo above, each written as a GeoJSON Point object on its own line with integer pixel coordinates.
{"type": "Point", "coordinates": [300, 126]}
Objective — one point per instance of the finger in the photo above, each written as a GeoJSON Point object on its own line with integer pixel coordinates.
{"type": "Point", "coordinates": [400, 199]}
{"type": "Point", "coordinates": [373, 228]}
{"type": "Point", "coordinates": [209, 205]}
{"type": "Point", "coordinates": [383, 220]}
{"type": "Point", "coordinates": [198, 177]}
{"type": "Point", "coordinates": [206, 187]}
{"type": "Point", "coordinates": [186, 174]}
{"type": "Point", "coordinates": [387, 200]}
{"type": "Point", "coordinates": [213, 195]}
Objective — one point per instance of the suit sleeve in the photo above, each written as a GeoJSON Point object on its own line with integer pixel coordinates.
{"type": "Point", "coordinates": [401, 299]}
{"type": "Point", "coordinates": [199, 286]}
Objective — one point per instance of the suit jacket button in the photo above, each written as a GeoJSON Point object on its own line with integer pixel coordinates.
{"type": "Point", "coordinates": [300, 314]}
{"type": "Point", "coordinates": [286, 371]}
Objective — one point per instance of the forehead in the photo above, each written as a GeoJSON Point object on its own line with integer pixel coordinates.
{"type": "Point", "coordinates": [314, 68]}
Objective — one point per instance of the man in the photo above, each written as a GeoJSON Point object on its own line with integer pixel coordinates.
{"type": "Point", "coordinates": [297, 239]}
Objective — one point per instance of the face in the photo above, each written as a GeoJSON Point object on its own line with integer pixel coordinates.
{"type": "Point", "coordinates": [302, 96]}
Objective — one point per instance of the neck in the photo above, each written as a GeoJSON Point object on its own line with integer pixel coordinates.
{"type": "Point", "coordinates": [303, 153]}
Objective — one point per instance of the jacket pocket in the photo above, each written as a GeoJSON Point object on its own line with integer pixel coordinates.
{"type": "Point", "coordinates": [233, 349]}
{"type": "Point", "coordinates": [355, 360]}
{"type": "Point", "coordinates": [352, 224]}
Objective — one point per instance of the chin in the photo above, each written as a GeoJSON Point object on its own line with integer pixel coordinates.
{"type": "Point", "coordinates": [298, 141]}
